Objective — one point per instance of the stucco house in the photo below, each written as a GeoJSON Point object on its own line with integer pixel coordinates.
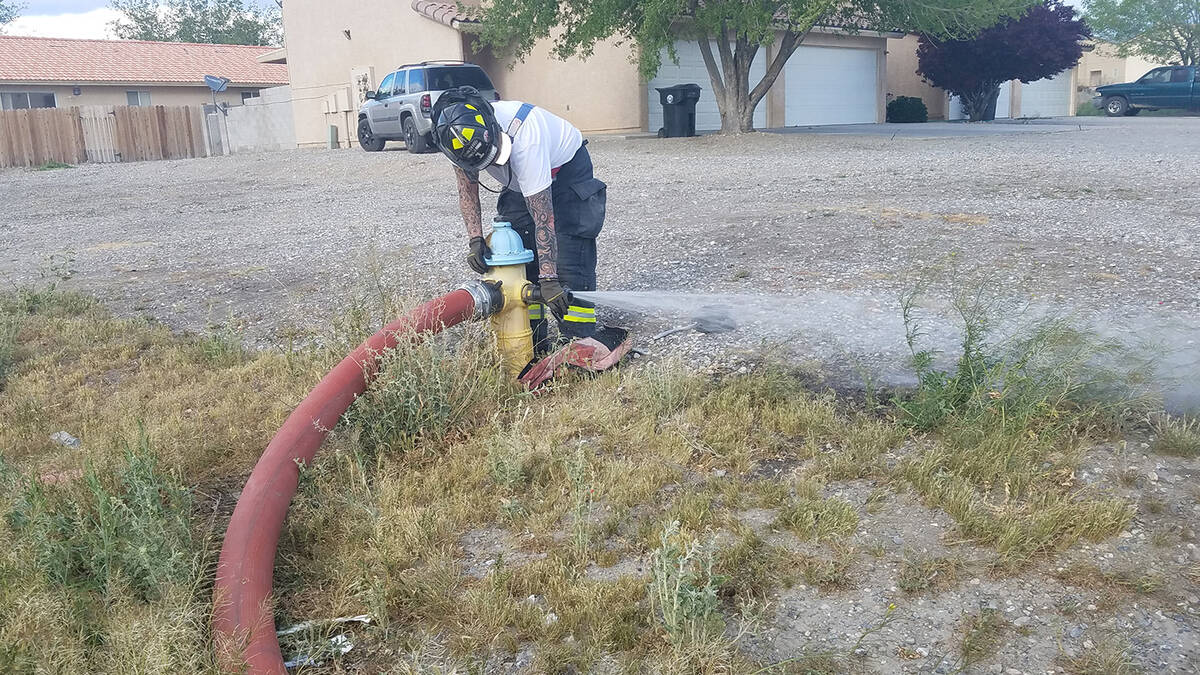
{"type": "Point", "coordinates": [333, 57]}
{"type": "Point", "coordinates": [56, 73]}
{"type": "Point", "coordinates": [1056, 96]}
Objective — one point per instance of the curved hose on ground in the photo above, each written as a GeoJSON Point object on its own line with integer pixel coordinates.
{"type": "Point", "coordinates": [243, 622]}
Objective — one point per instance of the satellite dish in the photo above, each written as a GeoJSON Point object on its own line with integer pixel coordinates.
{"type": "Point", "coordinates": [217, 84]}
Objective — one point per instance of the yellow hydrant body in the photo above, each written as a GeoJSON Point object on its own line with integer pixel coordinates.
{"type": "Point", "coordinates": [514, 339]}
{"type": "Point", "coordinates": [511, 324]}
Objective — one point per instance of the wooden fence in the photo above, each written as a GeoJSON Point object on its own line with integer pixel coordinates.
{"type": "Point", "coordinates": [101, 134]}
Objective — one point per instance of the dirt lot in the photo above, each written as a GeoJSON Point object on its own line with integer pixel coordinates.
{"type": "Point", "coordinates": [1095, 216]}
{"type": "Point", "coordinates": [1098, 218]}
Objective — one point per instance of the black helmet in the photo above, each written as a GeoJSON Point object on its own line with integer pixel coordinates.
{"type": "Point", "coordinates": [465, 129]}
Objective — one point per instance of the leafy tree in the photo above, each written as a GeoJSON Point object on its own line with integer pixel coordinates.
{"type": "Point", "coordinates": [235, 22]}
{"type": "Point", "coordinates": [1042, 42]}
{"type": "Point", "coordinates": [8, 11]}
{"type": "Point", "coordinates": [740, 29]}
{"type": "Point", "coordinates": [1166, 31]}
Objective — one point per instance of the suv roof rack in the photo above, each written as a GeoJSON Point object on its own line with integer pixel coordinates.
{"type": "Point", "coordinates": [437, 62]}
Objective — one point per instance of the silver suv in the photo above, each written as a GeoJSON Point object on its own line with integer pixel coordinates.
{"type": "Point", "coordinates": [400, 108]}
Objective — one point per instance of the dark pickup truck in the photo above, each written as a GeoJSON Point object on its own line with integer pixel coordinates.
{"type": "Point", "coordinates": [1167, 87]}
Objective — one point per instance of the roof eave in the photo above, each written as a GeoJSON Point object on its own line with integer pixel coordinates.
{"type": "Point", "coordinates": [273, 56]}
{"type": "Point", "coordinates": [860, 32]}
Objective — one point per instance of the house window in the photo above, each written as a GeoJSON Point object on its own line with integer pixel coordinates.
{"type": "Point", "coordinates": [1094, 78]}
{"type": "Point", "coordinates": [247, 95]}
{"type": "Point", "coordinates": [137, 97]}
{"type": "Point", "coordinates": [23, 100]}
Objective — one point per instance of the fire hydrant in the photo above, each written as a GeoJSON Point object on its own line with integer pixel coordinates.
{"type": "Point", "coordinates": [509, 256]}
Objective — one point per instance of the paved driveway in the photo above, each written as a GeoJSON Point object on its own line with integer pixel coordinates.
{"type": "Point", "coordinates": [960, 128]}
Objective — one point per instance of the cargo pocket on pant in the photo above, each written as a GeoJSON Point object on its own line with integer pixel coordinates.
{"type": "Point", "coordinates": [584, 212]}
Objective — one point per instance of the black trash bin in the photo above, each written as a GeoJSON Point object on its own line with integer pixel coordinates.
{"type": "Point", "coordinates": [679, 110]}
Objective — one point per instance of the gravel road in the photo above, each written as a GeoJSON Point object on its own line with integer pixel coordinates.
{"type": "Point", "coordinates": [1088, 215]}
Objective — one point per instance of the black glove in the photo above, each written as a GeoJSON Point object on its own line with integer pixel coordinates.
{"type": "Point", "coordinates": [479, 251]}
{"type": "Point", "coordinates": [551, 292]}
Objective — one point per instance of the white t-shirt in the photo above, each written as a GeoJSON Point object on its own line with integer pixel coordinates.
{"type": "Point", "coordinates": [544, 142]}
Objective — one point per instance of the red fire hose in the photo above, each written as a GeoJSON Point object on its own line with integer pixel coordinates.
{"type": "Point", "coordinates": [243, 621]}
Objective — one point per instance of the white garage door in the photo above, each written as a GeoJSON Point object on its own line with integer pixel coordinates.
{"type": "Point", "coordinates": [831, 85]}
{"type": "Point", "coordinates": [1047, 97]}
{"type": "Point", "coordinates": [691, 70]}
{"type": "Point", "coordinates": [1003, 104]}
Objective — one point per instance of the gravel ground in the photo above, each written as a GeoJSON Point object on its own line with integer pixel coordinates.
{"type": "Point", "coordinates": [1100, 220]}
{"type": "Point", "coordinates": [1099, 217]}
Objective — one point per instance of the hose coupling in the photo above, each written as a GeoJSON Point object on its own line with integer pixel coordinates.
{"type": "Point", "coordinates": [487, 295]}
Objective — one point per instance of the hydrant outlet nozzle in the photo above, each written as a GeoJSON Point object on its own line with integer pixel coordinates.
{"type": "Point", "coordinates": [488, 296]}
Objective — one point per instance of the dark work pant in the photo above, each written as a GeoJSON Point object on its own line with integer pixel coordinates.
{"type": "Point", "coordinates": [579, 205]}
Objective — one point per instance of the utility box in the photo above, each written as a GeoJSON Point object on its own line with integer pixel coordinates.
{"type": "Point", "coordinates": [679, 110]}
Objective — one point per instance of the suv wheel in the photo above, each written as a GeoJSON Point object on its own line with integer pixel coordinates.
{"type": "Point", "coordinates": [367, 138]}
{"type": "Point", "coordinates": [415, 140]}
{"type": "Point", "coordinates": [1116, 106]}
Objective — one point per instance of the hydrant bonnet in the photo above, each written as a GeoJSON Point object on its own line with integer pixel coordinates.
{"type": "Point", "coordinates": [507, 247]}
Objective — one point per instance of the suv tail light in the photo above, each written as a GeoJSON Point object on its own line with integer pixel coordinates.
{"type": "Point", "coordinates": [425, 105]}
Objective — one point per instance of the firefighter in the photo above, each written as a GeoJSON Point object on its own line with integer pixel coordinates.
{"type": "Point", "coordinates": [547, 191]}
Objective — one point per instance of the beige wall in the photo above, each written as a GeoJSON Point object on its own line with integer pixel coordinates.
{"type": "Point", "coordinates": [383, 34]}
{"type": "Point", "coordinates": [903, 80]}
{"type": "Point", "coordinates": [93, 94]}
{"type": "Point", "coordinates": [603, 93]}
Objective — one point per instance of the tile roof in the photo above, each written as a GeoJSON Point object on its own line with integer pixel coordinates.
{"type": "Point", "coordinates": [443, 12]}
{"type": "Point", "coordinates": [33, 59]}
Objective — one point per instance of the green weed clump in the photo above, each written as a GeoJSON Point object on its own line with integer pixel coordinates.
{"type": "Point", "coordinates": [427, 390]}
{"type": "Point", "coordinates": [9, 326]}
{"type": "Point", "coordinates": [1176, 436]}
{"type": "Point", "coordinates": [684, 589]}
{"type": "Point", "coordinates": [53, 165]}
{"type": "Point", "coordinates": [130, 528]}
{"type": "Point", "coordinates": [1007, 427]}
{"type": "Point", "coordinates": [104, 572]}
{"type": "Point", "coordinates": [815, 518]}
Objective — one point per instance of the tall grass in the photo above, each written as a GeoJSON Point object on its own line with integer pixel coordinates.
{"type": "Point", "coordinates": [120, 574]}
{"type": "Point", "coordinates": [129, 528]}
{"type": "Point", "coordinates": [1008, 424]}
{"type": "Point", "coordinates": [429, 389]}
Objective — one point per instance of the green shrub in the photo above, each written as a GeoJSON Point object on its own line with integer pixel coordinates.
{"type": "Point", "coordinates": [907, 109]}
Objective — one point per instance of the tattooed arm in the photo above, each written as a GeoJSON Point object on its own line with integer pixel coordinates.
{"type": "Point", "coordinates": [541, 207]}
{"type": "Point", "coordinates": [468, 201]}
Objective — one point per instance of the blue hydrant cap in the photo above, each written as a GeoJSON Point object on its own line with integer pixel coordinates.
{"type": "Point", "coordinates": [507, 247]}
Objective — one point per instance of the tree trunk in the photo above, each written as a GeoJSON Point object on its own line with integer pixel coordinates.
{"type": "Point", "coordinates": [980, 104]}
{"type": "Point", "coordinates": [730, 78]}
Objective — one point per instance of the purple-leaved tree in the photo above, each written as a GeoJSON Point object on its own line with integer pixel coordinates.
{"type": "Point", "coordinates": [1042, 42]}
